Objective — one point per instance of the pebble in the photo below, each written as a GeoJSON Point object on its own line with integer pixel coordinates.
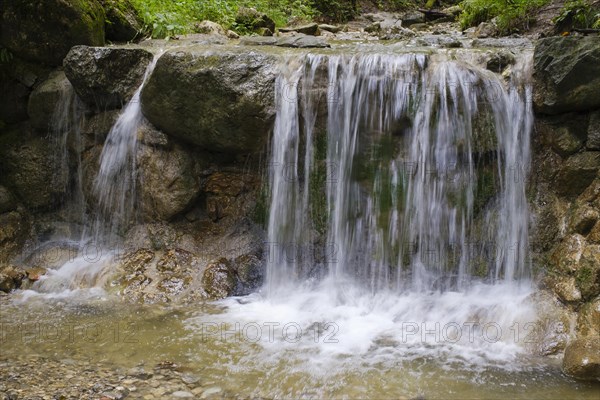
{"type": "Point", "coordinates": [210, 391]}
{"type": "Point", "coordinates": [182, 394]}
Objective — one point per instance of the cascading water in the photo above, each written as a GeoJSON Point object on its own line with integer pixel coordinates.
{"type": "Point", "coordinates": [114, 189]}
{"type": "Point", "coordinates": [425, 218]}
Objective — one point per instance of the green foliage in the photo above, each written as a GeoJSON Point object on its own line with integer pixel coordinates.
{"type": "Point", "coordinates": [578, 14]}
{"type": "Point", "coordinates": [167, 18]}
{"type": "Point", "coordinates": [510, 15]}
{"type": "Point", "coordinates": [336, 10]}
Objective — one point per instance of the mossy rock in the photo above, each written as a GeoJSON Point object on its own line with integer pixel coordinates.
{"type": "Point", "coordinates": [123, 24]}
{"type": "Point", "coordinates": [44, 31]}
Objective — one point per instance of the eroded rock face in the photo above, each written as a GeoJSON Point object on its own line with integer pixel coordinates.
{"type": "Point", "coordinates": [219, 279]}
{"type": "Point", "coordinates": [567, 74]}
{"type": "Point", "coordinates": [221, 102]}
{"type": "Point", "coordinates": [578, 172]}
{"type": "Point", "coordinates": [105, 77]}
{"type": "Point", "coordinates": [44, 31]}
{"type": "Point", "coordinates": [582, 359]}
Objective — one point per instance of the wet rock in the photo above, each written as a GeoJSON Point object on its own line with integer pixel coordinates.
{"type": "Point", "coordinates": [44, 99]}
{"type": "Point", "coordinates": [329, 28]}
{"type": "Point", "coordinates": [96, 130]}
{"type": "Point", "coordinates": [552, 329]}
{"type": "Point", "coordinates": [232, 35]}
{"type": "Point", "coordinates": [167, 185]}
{"type": "Point", "coordinates": [253, 21]}
{"type": "Point", "coordinates": [210, 392]}
{"type": "Point", "coordinates": [58, 25]}
{"type": "Point", "coordinates": [180, 394]}
{"type": "Point", "coordinates": [123, 24]}
{"type": "Point", "coordinates": [106, 77]}
{"type": "Point", "coordinates": [582, 359]}
{"type": "Point", "coordinates": [14, 229]}
{"type": "Point", "coordinates": [309, 29]}
{"type": "Point", "coordinates": [566, 289]}
{"type": "Point", "coordinates": [250, 272]}
{"type": "Point", "coordinates": [567, 74]}
{"type": "Point", "coordinates": [499, 61]}
{"type": "Point", "coordinates": [566, 256]}
{"type": "Point", "coordinates": [218, 279]}
{"type": "Point", "coordinates": [209, 28]}
{"type": "Point", "coordinates": [588, 320]}
{"type": "Point", "coordinates": [221, 102]}
{"type": "Point", "coordinates": [486, 30]}
{"type": "Point", "coordinates": [222, 189]}
{"type": "Point", "coordinates": [577, 173]}
{"type": "Point", "coordinates": [412, 17]}
{"type": "Point", "coordinates": [10, 278]}
{"type": "Point", "coordinates": [258, 41]}
{"type": "Point", "coordinates": [594, 235]}
{"type": "Point", "coordinates": [302, 41]}
{"type": "Point", "coordinates": [588, 273]}
{"type": "Point", "coordinates": [565, 142]}
{"type": "Point", "coordinates": [593, 133]}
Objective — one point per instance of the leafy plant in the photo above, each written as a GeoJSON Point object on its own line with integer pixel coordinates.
{"type": "Point", "coordinates": [578, 14]}
{"type": "Point", "coordinates": [510, 15]}
{"type": "Point", "coordinates": [5, 55]}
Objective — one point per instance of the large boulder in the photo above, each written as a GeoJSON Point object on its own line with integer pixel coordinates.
{"type": "Point", "coordinates": [167, 183]}
{"type": "Point", "coordinates": [45, 98]}
{"type": "Point", "coordinates": [582, 359]}
{"type": "Point", "coordinates": [567, 74]}
{"type": "Point", "coordinates": [106, 77]}
{"type": "Point", "coordinates": [123, 24]}
{"type": "Point", "coordinates": [44, 31]}
{"type": "Point", "coordinates": [222, 102]}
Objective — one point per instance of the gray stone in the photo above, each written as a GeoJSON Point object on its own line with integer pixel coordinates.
{"type": "Point", "coordinates": [302, 41]}
{"type": "Point", "coordinates": [45, 98]}
{"type": "Point", "coordinates": [106, 77]}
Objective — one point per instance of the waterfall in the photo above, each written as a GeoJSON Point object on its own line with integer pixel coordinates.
{"type": "Point", "coordinates": [114, 189]}
{"type": "Point", "coordinates": [426, 164]}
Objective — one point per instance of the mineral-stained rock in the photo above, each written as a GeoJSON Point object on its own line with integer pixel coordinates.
{"type": "Point", "coordinates": [219, 279]}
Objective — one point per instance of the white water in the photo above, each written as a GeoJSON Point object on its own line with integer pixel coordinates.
{"type": "Point", "coordinates": [115, 191]}
{"type": "Point", "coordinates": [411, 250]}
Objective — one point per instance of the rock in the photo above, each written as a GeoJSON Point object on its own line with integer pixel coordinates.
{"type": "Point", "coordinates": [329, 28]}
{"type": "Point", "coordinates": [210, 392]}
{"type": "Point", "coordinates": [588, 320]}
{"type": "Point", "coordinates": [209, 28]}
{"type": "Point", "coordinates": [250, 272]}
{"type": "Point", "coordinates": [7, 200]}
{"type": "Point", "coordinates": [373, 28]}
{"type": "Point", "coordinates": [32, 167]}
{"type": "Point", "coordinates": [221, 102]}
{"type": "Point", "coordinates": [582, 359]}
{"type": "Point", "coordinates": [45, 98]}
{"type": "Point", "coordinates": [232, 35]}
{"type": "Point", "coordinates": [302, 41]}
{"type": "Point", "coordinates": [14, 228]}
{"type": "Point", "coordinates": [10, 278]}
{"type": "Point", "coordinates": [123, 24]}
{"type": "Point", "coordinates": [309, 29]}
{"type": "Point", "coordinates": [583, 219]}
{"type": "Point", "coordinates": [564, 142]}
{"type": "Point", "coordinates": [218, 279]}
{"type": "Point", "coordinates": [44, 31]}
{"type": "Point", "coordinates": [252, 20]}
{"type": "Point", "coordinates": [566, 289]}
{"type": "Point", "coordinates": [485, 30]}
{"type": "Point", "coordinates": [588, 273]}
{"type": "Point", "coordinates": [258, 41]}
{"type": "Point", "coordinates": [167, 185]}
{"type": "Point", "coordinates": [222, 190]}
{"type": "Point", "coordinates": [500, 60]}
{"type": "Point", "coordinates": [567, 74]}
{"type": "Point", "coordinates": [203, 39]}
{"type": "Point", "coordinates": [565, 257]}
{"type": "Point", "coordinates": [593, 133]}
{"type": "Point", "coordinates": [552, 328]}
{"type": "Point", "coordinates": [411, 18]}
{"type": "Point", "coordinates": [577, 173]}
{"type": "Point", "coordinates": [180, 394]}
{"type": "Point", "coordinates": [106, 77]}
{"type": "Point", "coordinates": [453, 10]}
{"type": "Point", "coordinates": [594, 236]}
{"type": "Point", "coordinates": [96, 129]}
